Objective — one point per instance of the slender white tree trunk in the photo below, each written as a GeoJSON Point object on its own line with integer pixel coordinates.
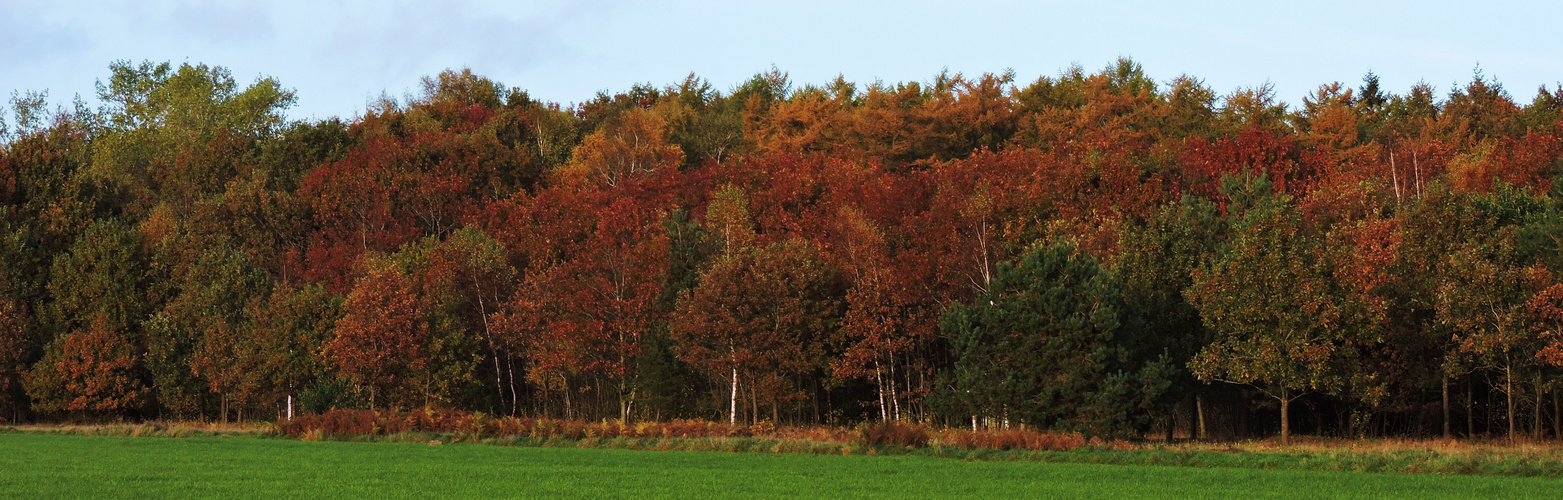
{"type": "Point", "coordinates": [895, 398]}
{"type": "Point", "coordinates": [879, 382]}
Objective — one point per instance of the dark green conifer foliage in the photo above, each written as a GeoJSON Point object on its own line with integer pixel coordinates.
{"type": "Point", "coordinates": [1045, 346]}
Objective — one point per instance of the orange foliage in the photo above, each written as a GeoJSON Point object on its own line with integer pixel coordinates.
{"type": "Point", "coordinates": [381, 341]}
{"type": "Point", "coordinates": [93, 370]}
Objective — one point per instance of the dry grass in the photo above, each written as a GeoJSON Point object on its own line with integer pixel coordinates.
{"type": "Point", "coordinates": [350, 423]}
{"type": "Point", "coordinates": [150, 428]}
{"type": "Point", "coordinates": [1496, 457]}
{"type": "Point", "coordinates": [1311, 445]}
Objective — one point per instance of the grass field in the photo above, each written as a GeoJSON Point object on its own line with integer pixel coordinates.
{"type": "Point", "coordinates": [53, 466]}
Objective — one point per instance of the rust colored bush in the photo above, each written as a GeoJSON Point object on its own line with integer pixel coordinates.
{"type": "Point", "coordinates": [370, 422]}
{"type": "Point", "coordinates": [1009, 439]}
{"type": "Point", "coordinates": [891, 432]}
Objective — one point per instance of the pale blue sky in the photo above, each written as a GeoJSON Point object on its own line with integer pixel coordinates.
{"type": "Point", "coordinates": [338, 55]}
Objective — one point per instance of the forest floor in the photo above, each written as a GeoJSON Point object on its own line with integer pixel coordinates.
{"type": "Point", "coordinates": [38, 465]}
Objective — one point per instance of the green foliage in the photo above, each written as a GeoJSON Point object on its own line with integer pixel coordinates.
{"type": "Point", "coordinates": [688, 248]}
{"type": "Point", "coordinates": [299, 148]}
{"type": "Point", "coordinates": [104, 274]}
{"type": "Point", "coordinates": [1268, 299]}
{"type": "Point", "coordinates": [1046, 346]}
{"type": "Point", "coordinates": [191, 99]}
{"type": "Point", "coordinates": [462, 88]}
{"type": "Point", "coordinates": [329, 393]}
{"type": "Point", "coordinates": [707, 126]}
{"type": "Point", "coordinates": [292, 328]}
{"type": "Point", "coordinates": [1157, 263]}
{"type": "Point", "coordinates": [179, 134]}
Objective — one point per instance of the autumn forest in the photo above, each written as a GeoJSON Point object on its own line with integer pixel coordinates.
{"type": "Point", "coordinates": [1099, 252]}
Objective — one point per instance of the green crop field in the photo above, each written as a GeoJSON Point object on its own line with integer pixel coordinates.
{"type": "Point", "coordinates": [53, 466]}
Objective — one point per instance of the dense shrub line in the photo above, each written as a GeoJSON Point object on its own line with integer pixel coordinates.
{"type": "Point", "coordinates": [357, 423]}
{"type": "Point", "coordinates": [892, 438]}
{"type": "Point", "coordinates": [900, 438]}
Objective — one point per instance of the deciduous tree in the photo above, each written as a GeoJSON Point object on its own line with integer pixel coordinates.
{"type": "Point", "coordinates": [760, 318]}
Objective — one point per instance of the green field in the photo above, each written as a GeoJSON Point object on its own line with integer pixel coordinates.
{"type": "Point", "coordinates": [53, 466]}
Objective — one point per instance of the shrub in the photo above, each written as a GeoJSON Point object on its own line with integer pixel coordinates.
{"type": "Point", "coordinates": [1009, 439]}
{"type": "Point", "coordinates": [342, 422]}
{"type": "Point", "coordinates": [328, 394]}
{"type": "Point", "coordinates": [890, 432]}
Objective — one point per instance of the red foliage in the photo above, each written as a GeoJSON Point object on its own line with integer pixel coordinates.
{"type": "Point", "coordinates": [590, 293]}
{"type": "Point", "coordinates": [93, 371]}
{"type": "Point", "coordinates": [1251, 152]}
{"type": "Point", "coordinates": [1528, 161]}
{"type": "Point", "coordinates": [756, 319]}
{"type": "Point", "coordinates": [370, 422]}
{"type": "Point", "coordinates": [360, 204]}
{"type": "Point", "coordinates": [1546, 312]}
{"type": "Point", "coordinates": [381, 341]}
{"type": "Point", "coordinates": [891, 432]}
{"type": "Point", "coordinates": [1010, 439]}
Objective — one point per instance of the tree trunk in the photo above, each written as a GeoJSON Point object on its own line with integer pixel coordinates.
{"type": "Point", "coordinates": [1557, 417]}
{"type": "Point", "coordinates": [1508, 381]}
{"type": "Point", "coordinates": [1172, 422]}
{"type": "Point", "coordinates": [895, 399]}
{"type": "Point", "coordinates": [1470, 408]}
{"type": "Point", "coordinates": [627, 407]}
{"type": "Point", "coordinates": [488, 338]}
{"type": "Point", "coordinates": [597, 391]}
{"type": "Point", "coordinates": [814, 402]}
{"type": "Point", "coordinates": [1199, 410]}
{"type": "Point", "coordinates": [1286, 426]}
{"type": "Point", "coordinates": [1535, 431]}
{"type": "Point", "coordinates": [732, 402]}
{"type": "Point", "coordinates": [1446, 406]}
{"type": "Point", "coordinates": [879, 382]}
{"type": "Point", "coordinates": [1394, 177]}
{"type": "Point", "coordinates": [510, 368]}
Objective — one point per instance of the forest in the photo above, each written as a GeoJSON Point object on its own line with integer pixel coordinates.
{"type": "Point", "coordinates": [1093, 252]}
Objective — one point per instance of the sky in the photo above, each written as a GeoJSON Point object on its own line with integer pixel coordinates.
{"type": "Point", "coordinates": [339, 56]}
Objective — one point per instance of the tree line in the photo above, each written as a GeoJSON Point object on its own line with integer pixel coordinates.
{"type": "Point", "coordinates": [1093, 252]}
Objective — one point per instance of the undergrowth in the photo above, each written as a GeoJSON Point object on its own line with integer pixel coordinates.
{"type": "Point", "coordinates": [883, 438]}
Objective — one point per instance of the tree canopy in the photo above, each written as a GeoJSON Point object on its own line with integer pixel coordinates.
{"type": "Point", "coordinates": [1103, 252]}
